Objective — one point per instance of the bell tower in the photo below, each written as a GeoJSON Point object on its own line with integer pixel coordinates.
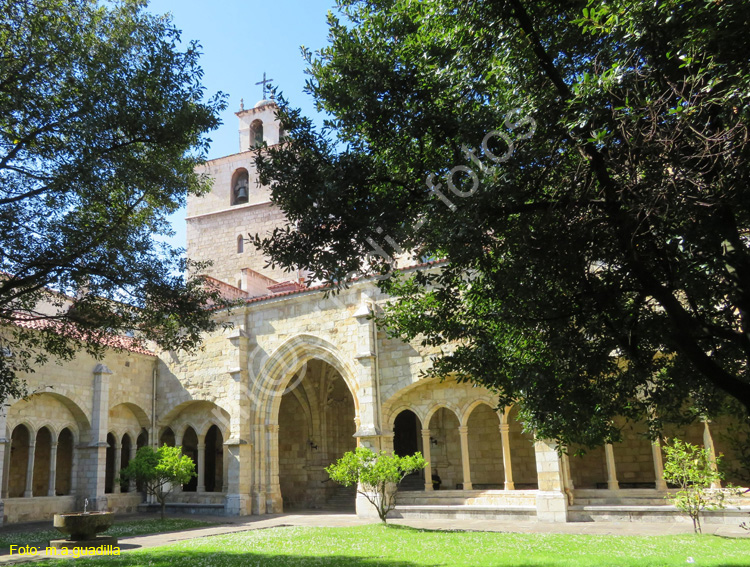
{"type": "Point", "coordinates": [220, 222]}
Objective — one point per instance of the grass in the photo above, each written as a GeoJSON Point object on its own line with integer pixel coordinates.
{"type": "Point", "coordinates": [398, 546]}
{"type": "Point", "coordinates": [41, 537]}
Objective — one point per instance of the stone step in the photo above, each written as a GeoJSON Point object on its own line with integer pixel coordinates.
{"type": "Point", "coordinates": [730, 515]}
{"type": "Point", "coordinates": [462, 512]}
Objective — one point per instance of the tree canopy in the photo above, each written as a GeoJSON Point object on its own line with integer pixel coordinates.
{"type": "Point", "coordinates": [102, 120]}
{"type": "Point", "coordinates": [582, 167]}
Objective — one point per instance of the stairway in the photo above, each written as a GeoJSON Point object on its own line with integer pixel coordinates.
{"type": "Point", "coordinates": [342, 500]}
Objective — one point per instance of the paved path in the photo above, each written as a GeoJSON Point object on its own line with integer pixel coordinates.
{"type": "Point", "coordinates": [313, 519]}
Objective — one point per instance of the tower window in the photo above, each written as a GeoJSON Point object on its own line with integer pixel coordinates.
{"type": "Point", "coordinates": [240, 244]}
{"type": "Point", "coordinates": [240, 181]}
{"type": "Point", "coordinates": [256, 134]}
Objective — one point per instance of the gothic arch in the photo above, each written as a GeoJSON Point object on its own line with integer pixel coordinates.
{"type": "Point", "coordinates": [276, 373]}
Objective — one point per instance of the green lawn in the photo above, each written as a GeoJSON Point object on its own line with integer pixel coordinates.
{"type": "Point", "coordinates": [396, 546]}
{"type": "Point", "coordinates": [41, 537]}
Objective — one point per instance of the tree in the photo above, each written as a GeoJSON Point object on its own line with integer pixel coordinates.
{"type": "Point", "coordinates": [690, 468]}
{"type": "Point", "coordinates": [160, 471]}
{"type": "Point", "coordinates": [582, 169]}
{"type": "Point", "coordinates": [376, 475]}
{"type": "Point", "coordinates": [102, 121]}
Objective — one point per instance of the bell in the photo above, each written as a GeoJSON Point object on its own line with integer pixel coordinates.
{"type": "Point", "coordinates": [241, 192]}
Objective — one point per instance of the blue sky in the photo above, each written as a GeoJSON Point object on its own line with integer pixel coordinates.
{"type": "Point", "coordinates": [240, 40]}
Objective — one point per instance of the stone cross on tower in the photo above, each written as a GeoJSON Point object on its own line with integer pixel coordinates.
{"type": "Point", "coordinates": [263, 82]}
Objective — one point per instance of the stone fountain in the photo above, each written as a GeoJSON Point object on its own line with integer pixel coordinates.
{"type": "Point", "coordinates": [82, 527]}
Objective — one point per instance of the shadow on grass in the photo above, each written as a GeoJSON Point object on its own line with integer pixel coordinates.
{"type": "Point", "coordinates": [233, 559]}
{"type": "Point", "coordinates": [168, 558]}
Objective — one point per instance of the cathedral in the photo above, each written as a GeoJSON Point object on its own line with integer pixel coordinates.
{"type": "Point", "coordinates": [297, 378]}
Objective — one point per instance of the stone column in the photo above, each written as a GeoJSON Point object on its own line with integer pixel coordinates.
{"type": "Point", "coordinates": [567, 477]}
{"type": "Point", "coordinates": [551, 503]}
{"type": "Point", "coordinates": [118, 466]}
{"type": "Point", "coordinates": [661, 484]}
{"type": "Point", "coordinates": [52, 469]}
{"type": "Point", "coordinates": [507, 465]}
{"type": "Point", "coordinates": [238, 448]}
{"type": "Point", "coordinates": [201, 463]}
{"type": "Point", "coordinates": [609, 455]}
{"type": "Point", "coordinates": [708, 443]}
{"type": "Point", "coordinates": [426, 454]}
{"type": "Point", "coordinates": [369, 430]}
{"type": "Point", "coordinates": [463, 432]}
{"type": "Point", "coordinates": [29, 492]}
{"type": "Point", "coordinates": [133, 451]}
{"type": "Point", "coordinates": [274, 502]}
{"type": "Point", "coordinates": [96, 458]}
{"type": "Point", "coordinates": [3, 448]}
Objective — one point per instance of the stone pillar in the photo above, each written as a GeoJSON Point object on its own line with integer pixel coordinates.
{"type": "Point", "coordinates": [133, 451]}
{"type": "Point", "coordinates": [4, 442]}
{"type": "Point", "coordinates": [369, 430]}
{"type": "Point", "coordinates": [52, 469]}
{"type": "Point", "coordinates": [567, 477]}
{"type": "Point", "coordinates": [609, 455]}
{"type": "Point", "coordinates": [274, 502]}
{"type": "Point", "coordinates": [201, 463]}
{"type": "Point", "coordinates": [426, 454]}
{"type": "Point", "coordinates": [463, 432]}
{"type": "Point", "coordinates": [661, 484]}
{"type": "Point", "coordinates": [29, 492]}
{"type": "Point", "coordinates": [708, 443]}
{"type": "Point", "coordinates": [238, 447]}
{"type": "Point", "coordinates": [551, 503]}
{"type": "Point", "coordinates": [118, 465]}
{"type": "Point", "coordinates": [96, 458]}
{"type": "Point", "coordinates": [507, 465]}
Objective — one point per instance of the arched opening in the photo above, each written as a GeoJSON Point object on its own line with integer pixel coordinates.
{"type": "Point", "coordinates": [127, 446]}
{"type": "Point", "coordinates": [588, 470]}
{"type": "Point", "coordinates": [256, 134]}
{"type": "Point", "coordinates": [634, 458]}
{"type": "Point", "coordinates": [240, 187]}
{"type": "Point", "coordinates": [445, 452]}
{"type": "Point", "coordinates": [167, 438]}
{"type": "Point", "coordinates": [64, 463]}
{"type": "Point", "coordinates": [407, 440]}
{"type": "Point", "coordinates": [142, 440]}
{"type": "Point", "coordinates": [214, 460]}
{"type": "Point", "coordinates": [19, 461]}
{"type": "Point", "coordinates": [485, 449]}
{"type": "Point", "coordinates": [523, 455]}
{"type": "Point", "coordinates": [316, 427]}
{"type": "Point", "coordinates": [109, 473]}
{"type": "Point", "coordinates": [42, 456]}
{"type": "Point", "coordinates": [190, 448]}
{"type": "Point", "coordinates": [240, 245]}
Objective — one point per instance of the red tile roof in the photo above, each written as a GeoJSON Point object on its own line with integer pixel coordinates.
{"type": "Point", "coordinates": [114, 341]}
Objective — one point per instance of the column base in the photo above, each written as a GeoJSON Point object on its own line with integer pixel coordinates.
{"type": "Point", "coordinates": [551, 507]}
{"type": "Point", "coordinates": [237, 505]}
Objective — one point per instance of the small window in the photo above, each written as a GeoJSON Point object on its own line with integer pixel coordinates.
{"type": "Point", "coordinates": [256, 134]}
{"type": "Point", "coordinates": [240, 187]}
{"type": "Point", "coordinates": [239, 284]}
{"type": "Point", "coordinates": [240, 244]}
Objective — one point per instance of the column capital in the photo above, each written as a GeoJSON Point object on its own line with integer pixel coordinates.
{"type": "Point", "coordinates": [272, 427]}
{"type": "Point", "coordinates": [425, 432]}
{"type": "Point", "coordinates": [463, 429]}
